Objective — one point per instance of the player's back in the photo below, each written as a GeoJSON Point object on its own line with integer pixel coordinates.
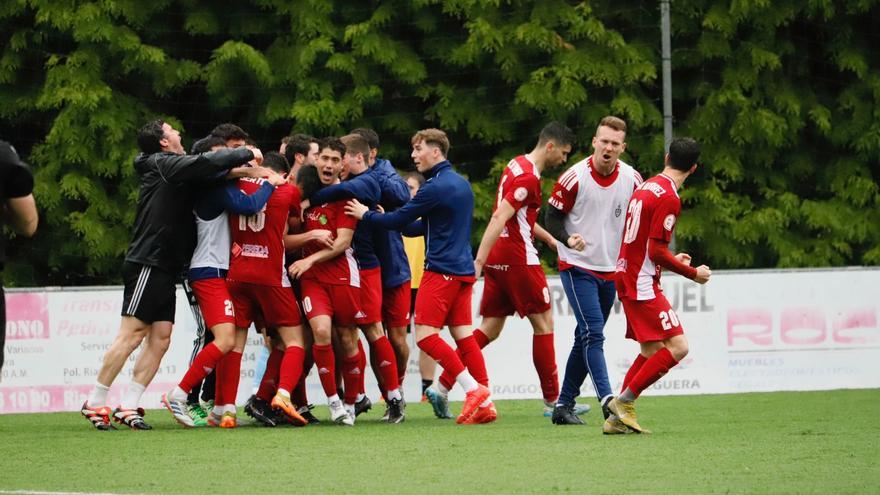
{"type": "Point", "coordinates": [520, 185]}
{"type": "Point", "coordinates": [449, 222]}
{"type": "Point", "coordinates": [258, 240]}
{"type": "Point", "coordinates": [651, 214]}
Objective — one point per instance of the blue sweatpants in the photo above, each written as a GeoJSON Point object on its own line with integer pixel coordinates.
{"type": "Point", "coordinates": [591, 298]}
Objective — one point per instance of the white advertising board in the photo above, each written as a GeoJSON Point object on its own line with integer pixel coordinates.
{"type": "Point", "coordinates": [751, 331]}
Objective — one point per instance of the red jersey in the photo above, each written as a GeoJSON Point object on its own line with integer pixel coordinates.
{"type": "Point", "coordinates": [343, 269]}
{"type": "Point", "coordinates": [520, 185]}
{"type": "Point", "coordinates": [652, 212]}
{"type": "Point", "coordinates": [258, 240]}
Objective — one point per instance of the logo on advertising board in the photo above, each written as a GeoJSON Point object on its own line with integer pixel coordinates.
{"type": "Point", "coordinates": [801, 327]}
{"type": "Point", "coordinates": [27, 316]}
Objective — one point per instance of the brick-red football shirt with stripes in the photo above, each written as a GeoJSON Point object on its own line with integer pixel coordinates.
{"type": "Point", "coordinates": [520, 185]}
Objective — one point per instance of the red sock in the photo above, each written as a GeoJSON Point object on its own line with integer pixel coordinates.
{"type": "Point", "coordinates": [205, 361]}
{"type": "Point", "coordinates": [362, 362]}
{"type": "Point", "coordinates": [544, 357]}
{"type": "Point", "coordinates": [351, 377]}
{"type": "Point", "coordinates": [481, 338]}
{"type": "Point", "coordinates": [449, 381]}
{"type": "Point", "coordinates": [440, 351]}
{"type": "Point", "coordinates": [636, 366]}
{"type": "Point", "coordinates": [386, 364]}
{"type": "Point", "coordinates": [230, 378]}
{"type": "Point", "coordinates": [325, 361]}
{"type": "Point", "coordinates": [654, 368]}
{"type": "Point", "coordinates": [299, 396]}
{"type": "Point", "coordinates": [472, 357]}
{"type": "Point", "coordinates": [219, 371]}
{"type": "Point", "coordinates": [291, 367]}
{"type": "Point", "coordinates": [269, 383]}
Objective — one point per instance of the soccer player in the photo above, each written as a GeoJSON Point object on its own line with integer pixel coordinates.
{"type": "Point", "coordinates": [235, 136]}
{"type": "Point", "coordinates": [644, 250]}
{"type": "Point", "coordinates": [206, 276]}
{"type": "Point", "coordinates": [363, 183]}
{"type": "Point", "coordinates": [17, 199]}
{"type": "Point", "coordinates": [330, 282]}
{"type": "Point", "coordinates": [415, 253]}
{"type": "Point", "coordinates": [515, 281]}
{"type": "Point", "coordinates": [586, 216]}
{"type": "Point", "coordinates": [396, 272]}
{"type": "Point", "coordinates": [259, 285]}
{"type": "Point", "coordinates": [163, 230]}
{"type": "Point", "coordinates": [445, 205]}
{"type": "Point", "coordinates": [301, 150]}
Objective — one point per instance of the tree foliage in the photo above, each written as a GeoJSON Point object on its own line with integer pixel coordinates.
{"type": "Point", "coordinates": [782, 95]}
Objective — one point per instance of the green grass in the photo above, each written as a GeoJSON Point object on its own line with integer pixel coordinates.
{"type": "Point", "coordinates": [799, 442]}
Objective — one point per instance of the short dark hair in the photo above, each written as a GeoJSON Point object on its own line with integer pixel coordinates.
{"type": "Point", "coordinates": [332, 142]}
{"type": "Point", "coordinates": [298, 143]}
{"type": "Point", "coordinates": [557, 132]}
{"type": "Point", "coordinates": [229, 131]}
{"type": "Point", "coordinates": [683, 153]}
{"type": "Point", "coordinates": [370, 135]}
{"type": "Point", "coordinates": [149, 136]}
{"type": "Point", "coordinates": [273, 160]}
{"type": "Point", "coordinates": [308, 181]}
{"type": "Point", "coordinates": [205, 144]}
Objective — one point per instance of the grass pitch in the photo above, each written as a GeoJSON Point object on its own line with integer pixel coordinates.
{"type": "Point", "coordinates": [799, 442]}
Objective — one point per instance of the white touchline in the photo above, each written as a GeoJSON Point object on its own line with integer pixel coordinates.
{"type": "Point", "coordinates": [38, 492]}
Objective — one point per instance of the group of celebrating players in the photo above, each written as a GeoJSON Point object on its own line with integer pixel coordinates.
{"type": "Point", "coordinates": [306, 245]}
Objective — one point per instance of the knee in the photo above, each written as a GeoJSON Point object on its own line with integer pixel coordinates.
{"type": "Point", "coordinates": [679, 350]}
{"type": "Point", "coordinates": [322, 335]}
{"type": "Point", "coordinates": [224, 344]}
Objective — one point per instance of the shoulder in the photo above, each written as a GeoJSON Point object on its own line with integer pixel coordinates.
{"type": "Point", "coordinates": [571, 177]}
{"type": "Point", "coordinates": [629, 171]}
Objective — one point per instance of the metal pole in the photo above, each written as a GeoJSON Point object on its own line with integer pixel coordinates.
{"type": "Point", "coordinates": [666, 57]}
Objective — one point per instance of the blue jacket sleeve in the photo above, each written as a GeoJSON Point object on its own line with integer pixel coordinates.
{"type": "Point", "coordinates": [415, 229]}
{"type": "Point", "coordinates": [343, 190]}
{"type": "Point", "coordinates": [236, 201]}
{"type": "Point", "coordinates": [395, 192]}
{"type": "Point", "coordinates": [417, 207]}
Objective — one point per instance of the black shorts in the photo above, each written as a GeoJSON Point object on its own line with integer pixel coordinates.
{"type": "Point", "coordinates": [150, 294]}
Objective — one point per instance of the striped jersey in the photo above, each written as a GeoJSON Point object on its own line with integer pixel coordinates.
{"type": "Point", "coordinates": [594, 206]}
{"type": "Point", "coordinates": [343, 269]}
{"type": "Point", "coordinates": [520, 185]}
{"type": "Point", "coordinates": [651, 214]}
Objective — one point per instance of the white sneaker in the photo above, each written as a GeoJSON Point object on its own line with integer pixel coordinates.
{"type": "Point", "coordinates": [339, 415]}
{"type": "Point", "coordinates": [178, 410]}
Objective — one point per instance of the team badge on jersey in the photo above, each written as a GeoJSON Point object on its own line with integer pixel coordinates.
{"type": "Point", "coordinates": [617, 210]}
{"type": "Point", "coordinates": [520, 193]}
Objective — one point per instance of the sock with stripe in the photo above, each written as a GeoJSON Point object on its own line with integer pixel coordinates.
{"type": "Point", "coordinates": [385, 364]}
{"type": "Point", "coordinates": [325, 361]}
{"type": "Point", "coordinates": [351, 375]}
{"type": "Point", "coordinates": [472, 357]}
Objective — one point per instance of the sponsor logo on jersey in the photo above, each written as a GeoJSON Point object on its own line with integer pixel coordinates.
{"type": "Point", "coordinates": [360, 314]}
{"type": "Point", "coordinates": [322, 219]}
{"type": "Point", "coordinates": [254, 251]}
{"type": "Point", "coordinates": [520, 193]}
{"type": "Point", "coordinates": [669, 222]}
{"type": "Point", "coordinates": [502, 268]}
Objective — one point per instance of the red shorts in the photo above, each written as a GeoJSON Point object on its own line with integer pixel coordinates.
{"type": "Point", "coordinates": [515, 289]}
{"type": "Point", "coordinates": [342, 303]}
{"type": "Point", "coordinates": [214, 301]}
{"type": "Point", "coordinates": [650, 321]}
{"type": "Point", "coordinates": [371, 296]}
{"type": "Point", "coordinates": [396, 305]}
{"type": "Point", "coordinates": [444, 300]}
{"type": "Point", "coordinates": [276, 305]}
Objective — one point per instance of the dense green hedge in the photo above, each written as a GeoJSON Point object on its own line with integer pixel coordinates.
{"type": "Point", "coordinates": [783, 95]}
